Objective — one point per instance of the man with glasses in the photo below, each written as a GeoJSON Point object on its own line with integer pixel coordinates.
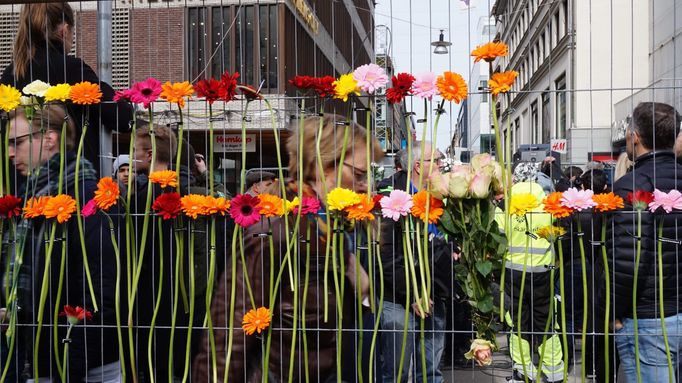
{"type": "Point", "coordinates": [422, 167]}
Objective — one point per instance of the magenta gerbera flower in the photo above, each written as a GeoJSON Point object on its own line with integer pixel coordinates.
{"type": "Point", "coordinates": [309, 205]}
{"type": "Point", "coordinates": [123, 95]}
{"type": "Point", "coordinates": [244, 210]}
{"type": "Point", "coordinates": [370, 77]}
{"type": "Point", "coordinates": [145, 92]}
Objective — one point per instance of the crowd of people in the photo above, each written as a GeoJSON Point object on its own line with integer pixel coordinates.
{"type": "Point", "coordinates": [98, 355]}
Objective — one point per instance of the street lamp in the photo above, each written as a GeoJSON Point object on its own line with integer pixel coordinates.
{"type": "Point", "coordinates": [441, 45]}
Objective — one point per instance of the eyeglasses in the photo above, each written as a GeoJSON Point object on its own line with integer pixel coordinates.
{"type": "Point", "coordinates": [359, 174]}
{"type": "Point", "coordinates": [436, 160]}
{"type": "Point", "coordinates": [18, 140]}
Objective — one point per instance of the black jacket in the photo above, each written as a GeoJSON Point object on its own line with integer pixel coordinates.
{"type": "Point", "coordinates": [53, 67]}
{"type": "Point", "coordinates": [656, 170]}
{"type": "Point", "coordinates": [392, 257]}
{"type": "Point", "coordinates": [99, 346]}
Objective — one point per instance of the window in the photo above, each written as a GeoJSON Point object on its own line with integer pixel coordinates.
{"type": "Point", "coordinates": [482, 86]}
{"type": "Point", "coordinates": [534, 123]}
{"type": "Point", "coordinates": [546, 117]}
{"type": "Point", "coordinates": [516, 135]}
{"type": "Point", "coordinates": [560, 86]}
{"type": "Point", "coordinates": [213, 51]}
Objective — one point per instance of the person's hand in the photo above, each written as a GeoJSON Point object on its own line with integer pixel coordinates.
{"type": "Point", "coordinates": [617, 325]}
{"type": "Point", "coordinates": [419, 311]}
{"type": "Point", "coordinates": [200, 163]}
{"type": "Point", "coordinates": [549, 159]}
{"type": "Point", "coordinates": [456, 256]}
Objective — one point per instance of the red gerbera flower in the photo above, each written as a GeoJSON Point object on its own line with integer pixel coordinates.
{"type": "Point", "coordinates": [377, 199]}
{"type": "Point", "coordinates": [145, 92]}
{"type": "Point", "coordinates": [208, 89]}
{"type": "Point", "coordinates": [401, 87]}
{"type": "Point", "coordinates": [302, 82]}
{"type": "Point", "coordinates": [641, 199]}
{"type": "Point", "coordinates": [228, 89]}
{"type": "Point", "coordinates": [75, 314]}
{"type": "Point", "coordinates": [123, 95]}
{"type": "Point", "coordinates": [9, 206]}
{"type": "Point", "coordinates": [167, 205]}
{"type": "Point", "coordinates": [250, 92]}
{"type": "Point", "coordinates": [244, 210]}
{"type": "Point", "coordinates": [324, 86]}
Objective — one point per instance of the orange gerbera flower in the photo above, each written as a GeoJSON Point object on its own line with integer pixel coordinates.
{"type": "Point", "coordinates": [554, 207]}
{"type": "Point", "coordinates": [490, 51]}
{"type": "Point", "coordinates": [419, 207]}
{"type": "Point", "coordinates": [107, 193]}
{"type": "Point", "coordinates": [164, 178]}
{"type": "Point", "coordinates": [502, 82]}
{"type": "Point", "coordinates": [216, 205]}
{"type": "Point", "coordinates": [176, 92]}
{"type": "Point", "coordinates": [193, 205]}
{"type": "Point", "coordinates": [270, 205]}
{"type": "Point", "coordinates": [86, 93]}
{"type": "Point", "coordinates": [60, 207]}
{"type": "Point", "coordinates": [361, 211]}
{"type": "Point", "coordinates": [607, 202]}
{"type": "Point", "coordinates": [452, 86]}
{"type": "Point", "coordinates": [256, 320]}
{"type": "Point", "coordinates": [35, 206]}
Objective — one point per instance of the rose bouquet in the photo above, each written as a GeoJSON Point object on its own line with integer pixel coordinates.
{"type": "Point", "coordinates": [470, 193]}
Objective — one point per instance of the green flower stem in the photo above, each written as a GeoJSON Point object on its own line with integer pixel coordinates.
{"type": "Point", "coordinates": [117, 296]}
{"type": "Point", "coordinates": [562, 294]}
{"type": "Point", "coordinates": [520, 308]}
{"type": "Point", "coordinates": [181, 234]}
{"type": "Point", "coordinates": [583, 338]}
{"type": "Point", "coordinates": [294, 326]}
{"type": "Point", "coordinates": [157, 304]}
{"type": "Point", "coordinates": [358, 290]}
{"type": "Point", "coordinates": [79, 218]}
{"type": "Point", "coordinates": [5, 157]}
{"type": "Point", "coordinates": [549, 317]}
{"type": "Point", "coordinates": [607, 308]}
{"type": "Point", "coordinates": [43, 297]}
{"type": "Point", "coordinates": [338, 261]}
{"type": "Point", "coordinates": [209, 299]}
{"type": "Point", "coordinates": [55, 333]}
{"type": "Point", "coordinates": [233, 292]}
{"type": "Point", "coordinates": [131, 255]}
{"type": "Point", "coordinates": [192, 303]}
{"type": "Point", "coordinates": [179, 152]}
{"type": "Point", "coordinates": [671, 372]}
{"type": "Point", "coordinates": [634, 293]}
{"type": "Point", "coordinates": [176, 293]}
{"type": "Point", "coordinates": [368, 153]}
{"type": "Point", "coordinates": [247, 282]}
{"type": "Point", "coordinates": [304, 300]}
{"type": "Point", "coordinates": [406, 319]}
{"type": "Point", "coordinates": [503, 157]}
{"type": "Point", "coordinates": [377, 321]}
{"type": "Point", "coordinates": [62, 373]}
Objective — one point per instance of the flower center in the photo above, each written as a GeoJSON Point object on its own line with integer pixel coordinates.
{"type": "Point", "coordinates": [147, 91]}
{"type": "Point", "coordinates": [246, 209]}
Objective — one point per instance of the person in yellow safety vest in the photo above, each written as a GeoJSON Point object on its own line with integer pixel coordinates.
{"type": "Point", "coordinates": [530, 255]}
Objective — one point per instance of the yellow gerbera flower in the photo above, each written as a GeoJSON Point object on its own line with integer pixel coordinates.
{"type": "Point", "coordinates": [345, 86]}
{"type": "Point", "coordinates": [291, 205]}
{"type": "Point", "coordinates": [59, 92]}
{"type": "Point", "coordinates": [522, 203]}
{"type": "Point", "coordinates": [9, 97]}
{"type": "Point", "coordinates": [340, 198]}
{"type": "Point", "coordinates": [551, 232]}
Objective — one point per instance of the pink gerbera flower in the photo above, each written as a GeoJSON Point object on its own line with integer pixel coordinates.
{"type": "Point", "coordinates": [309, 205]}
{"type": "Point", "coordinates": [424, 85]}
{"type": "Point", "coordinates": [578, 199]}
{"type": "Point", "coordinates": [123, 95]}
{"type": "Point", "coordinates": [668, 201]}
{"type": "Point", "coordinates": [145, 92]}
{"type": "Point", "coordinates": [244, 210]}
{"type": "Point", "coordinates": [370, 77]}
{"type": "Point", "coordinates": [89, 209]}
{"type": "Point", "coordinates": [397, 204]}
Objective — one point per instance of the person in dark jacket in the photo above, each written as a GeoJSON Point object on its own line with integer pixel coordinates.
{"type": "Point", "coordinates": [649, 143]}
{"type": "Point", "coordinates": [395, 283]}
{"type": "Point", "coordinates": [41, 52]}
{"type": "Point", "coordinates": [93, 352]}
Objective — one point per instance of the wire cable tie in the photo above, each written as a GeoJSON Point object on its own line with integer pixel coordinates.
{"type": "Point", "coordinates": [266, 234]}
{"type": "Point", "coordinates": [342, 123]}
{"type": "Point", "coordinates": [528, 233]}
{"type": "Point", "coordinates": [597, 243]}
{"type": "Point", "coordinates": [408, 114]}
{"type": "Point", "coordinates": [580, 233]}
{"type": "Point", "coordinates": [440, 111]}
{"type": "Point", "coordinates": [421, 121]}
{"type": "Point", "coordinates": [218, 118]}
{"type": "Point", "coordinates": [670, 240]}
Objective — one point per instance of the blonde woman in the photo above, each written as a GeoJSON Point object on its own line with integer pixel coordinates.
{"type": "Point", "coordinates": [622, 166]}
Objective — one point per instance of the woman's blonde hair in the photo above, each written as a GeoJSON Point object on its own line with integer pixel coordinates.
{"type": "Point", "coordinates": [51, 117]}
{"type": "Point", "coordinates": [331, 143]}
{"type": "Point", "coordinates": [38, 27]}
{"type": "Point", "coordinates": [622, 166]}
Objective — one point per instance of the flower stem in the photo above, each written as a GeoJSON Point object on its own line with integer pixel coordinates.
{"type": "Point", "coordinates": [304, 303]}
{"type": "Point", "coordinates": [660, 301]}
{"type": "Point", "coordinates": [43, 297]}
{"type": "Point", "coordinates": [634, 293]}
{"type": "Point", "coordinates": [62, 373]}
{"type": "Point", "coordinates": [176, 293]}
{"type": "Point", "coordinates": [209, 299]}
{"type": "Point", "coordinates": [157, 304]}
{"type": "Point", "coordinates": [583, 338]}
{"type": "Point", "coordinates": [406, 319]}
{"type": "Point", "coordinates": [562, 294]}
{"type": "Point", "coordinates": [79, 218]}
{"type": "Point", "coordinates": [233, 292]}
{"type": "Point", "coordinates": [520, 308]}
{"type": "Point", "coordinates": [55, 334]}
{"type": "Point", "coordinates": [192, 303]}
{"type": "Point", "coordinates": [117, 296]}
{"type": "Point", "coordinates": [607, 307]}
{"type": "Point", "coordinates": [377, 320]}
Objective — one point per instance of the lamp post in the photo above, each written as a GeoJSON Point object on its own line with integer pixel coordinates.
{"type": "Point", "coordinates": [441, 46]}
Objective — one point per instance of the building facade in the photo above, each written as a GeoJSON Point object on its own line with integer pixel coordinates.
{"type": "Point", "coordinates": [569, 55]}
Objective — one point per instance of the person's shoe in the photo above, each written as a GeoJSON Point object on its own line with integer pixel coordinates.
{"type": "Point", "coordinates": [518, 377]}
